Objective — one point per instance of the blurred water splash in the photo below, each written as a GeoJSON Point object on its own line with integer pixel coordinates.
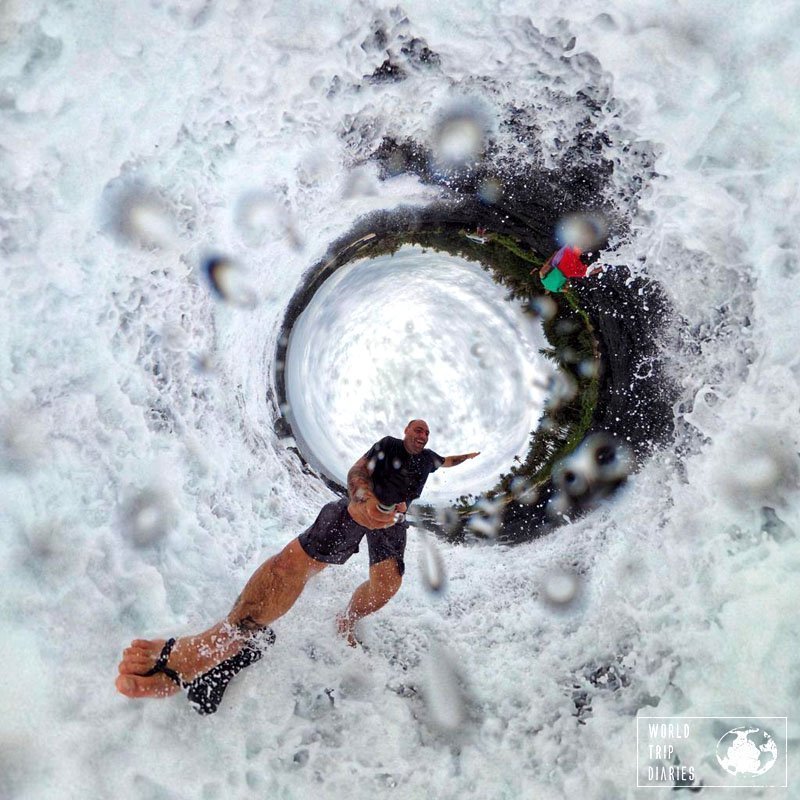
{"type": "Point", "coordinates": [542, 307]}
{"type": "Point", "coordinates": [262, 217]}
{"type": "Point", "coordinates": [313, 703]}
{"type": "Point", "coordinates": [757, 465]}
{"type": "Point", "coordinates": [448, 518]}
{"type": "Point", "coordinates": [434, 575]}
{"type": "Point", "coordinates": [230, 281]}
{"type": "Point", "coordinates": [148, 517]}
{"type": "Point", "coordinates": [137, 214]}
{"type": "Point", "coordinates": [18, 757]}
{"type": "Point", "coordinates": [774, 526]}
{"type": "Point", "coordinates": [23, 441]}
{"type": "Point", "coordinates": [460, 136]}
{"type": "Point", "coordinates": [592, 472]}
{"type": "Point", "coordinates": [561, 588]}
{"type": "Point", "coordinates": [445, 694]}
{"type": "Point", "coordinates": [490, 191]}
{"type": "Point", "coordinates": [482, 354]}
{"type": "Point", "coordinates": [585, 230]}
{"type": "Point", "coordinates": [487, 518]}
{"type": "Point", "coordinates": [205, 363]}
{"type": "Point", "coordinates": [360, 182]}
{"type": "Point", "coordinates": [523, 491]}
{"type": "Point", "coordinates": [589, 368]}
{"type": "Point", "coordinates": [561, 388]}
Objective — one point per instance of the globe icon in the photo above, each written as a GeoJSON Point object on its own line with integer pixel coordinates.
{"type": "Point", "coordinates": [747, 751]}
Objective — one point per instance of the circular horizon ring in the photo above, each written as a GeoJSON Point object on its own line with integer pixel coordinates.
{"type": "Point", "coordinates": [626, 402]}
{"type": "Point", "coordinates": [417, 334]}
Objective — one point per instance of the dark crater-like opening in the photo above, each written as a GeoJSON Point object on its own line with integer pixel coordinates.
{"type": "Point", "coordinates": [603, 332]}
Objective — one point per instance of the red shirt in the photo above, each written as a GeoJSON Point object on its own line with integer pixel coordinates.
{"type": "Point", "coordinates": [568, 260]}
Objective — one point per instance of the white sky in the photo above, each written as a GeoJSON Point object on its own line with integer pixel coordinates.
{"type": "Point", "coordinates": [417, 335]}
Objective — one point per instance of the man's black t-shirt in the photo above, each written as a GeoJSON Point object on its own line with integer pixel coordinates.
{"type": "Point", "coordinates": [397, 475]}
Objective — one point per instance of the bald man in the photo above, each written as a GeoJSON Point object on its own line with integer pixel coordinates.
{"type": "Point", "coordinates": [381, 485]}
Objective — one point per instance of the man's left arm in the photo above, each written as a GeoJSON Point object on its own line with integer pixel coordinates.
{"type": "Point", "coordinates": [454, 461]}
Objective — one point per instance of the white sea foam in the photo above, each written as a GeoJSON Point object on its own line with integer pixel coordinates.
{"type": "Point", "coordinates": [123, 377]}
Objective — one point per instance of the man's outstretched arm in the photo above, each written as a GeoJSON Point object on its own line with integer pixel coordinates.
{"type": "Point", "coordinates": [454, 461]}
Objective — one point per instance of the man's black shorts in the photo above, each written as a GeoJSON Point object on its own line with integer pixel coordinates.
{"type": "Point", "coordinates": [335, 536]}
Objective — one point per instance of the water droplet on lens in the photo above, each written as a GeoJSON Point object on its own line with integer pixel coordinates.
{"type": "Point", "coordinates": [483, 526]}
{"type": "Point", "coordinates": [137, 214]}
{"type": "Point", "coordinates": [570, 479]}
{"type": "Point", "coordinates": [478, 349]}
{"type": "Point", "coordinates": [567, 355]}
{"type": "Point", "coordinates": [263, 217]}
{"type": "Point", "coordinates": [175, 338]}
{"type": "Point", "coordinates": [22, 441]}
{"type": "Point", "coordinates": [230, 282]}
{"type": "Point", "coordinates": [584, 230]}
{"type": "Point", "coordinates": [431, 564]}
{"type": "Point", "coordinates": [313, 703]}
{"type": "Point", "coordinates": [560, 587]}
{"type": "Point", "coordinates": [565, 327]}
{"type": "Point", "coordinates": [444, 695]}
{"type": "Point", "coordinates": [448, 518]}
{"type": "Point", "coordinates": [396, 163]}
{"type": "Point", "coordinates": [559, 505]}
{"type": "Point", "coordinates": [490, 191]}
{"type": "Point", "coordinates": [562, 388]}
{"type": "Point", "coordinates": [459, 136]}
{"type": "Point", "coordinates": [523, 491]}
{"type": "Point", "coordinates": [757, 464]}
{"type": "Point", "coordinates": [604, 458]}
{"type": "Point", "coordinates": [204, 363]}
{"type": "Point", "coordinates": [487, 519]}
{"type": "Point", "coordinates": [542, 307]}
{"type": "Point", "coordinates": [592, 472]}
{"type": "Point", "coordinates": [148, 517]}
{"type": "Point", "coordinates": [360, 182]}
{"type": "Point", "coordinates": [548, 424]}
{"type": "Point", "coordinates": [255, 215]}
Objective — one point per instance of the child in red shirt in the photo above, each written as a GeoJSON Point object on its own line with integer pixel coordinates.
{"type": "Point", "coordinates": [563, 264]}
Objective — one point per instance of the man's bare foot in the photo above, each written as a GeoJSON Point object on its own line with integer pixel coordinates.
{"type": "Point", "coordinates": [346, 629]}
{"type": "Point", "coordinates": [138, 659]}
{"type": "Point", "coordinates": [191, 656]}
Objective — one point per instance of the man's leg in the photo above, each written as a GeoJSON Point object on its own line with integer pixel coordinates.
{"type": "Point", "coordinates": [383, 584]}
{"type": "Point", "coordinates": [270, 593]}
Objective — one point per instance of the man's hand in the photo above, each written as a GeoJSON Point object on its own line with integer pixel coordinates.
{"type": "Point", "coordinates": [365, 512]}
{"type": "Point", "coordinates": [453, 461]}
{"type": "Point", "coordinates": [363, 506]}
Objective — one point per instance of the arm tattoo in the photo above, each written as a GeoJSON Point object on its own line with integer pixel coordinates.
{"type": "Point", "coordinates": [359, 481]}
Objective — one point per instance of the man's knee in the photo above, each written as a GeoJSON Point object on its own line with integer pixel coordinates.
{"type": "Point", "coordinates": [294, 562]}
{"type": "Point", "coordinates": [385, 578]}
